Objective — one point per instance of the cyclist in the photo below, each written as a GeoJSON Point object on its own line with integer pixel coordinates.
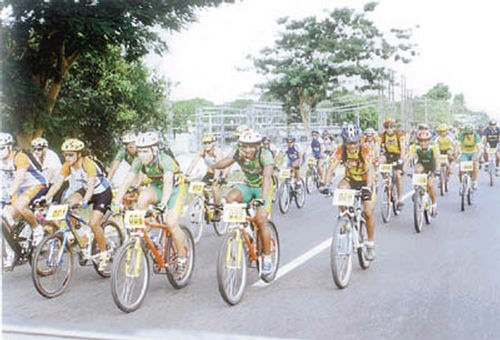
{"type": "Point", "coordinates": [266, 144]}
{"type": "Point", "coordinates": [371, 138]}
{"type": "Point", "coordinates": [446, 144]}
{"type": "Point", "coordinates": [127, 153]}
{"type": "Point", "coordinates": [356, 158]}
{"type": "Point", "coordinates": [316, 149]}
{"type": "Point", "coordinates": [167, 189]}
{"type": "Point", "coordinates": [470, 147]}
{"type": "Point", "coordinates": [327, 143]}
{"type": "Point", "coordinates": [393, 150]}
{"type": "Point", "coordinates": [210, 154]}
{"type": "Point", "coordinates": [427, 161]}
{"type": "Point", "coordinates": [95, 190]}
{"type": "Point", "coordinates": [51, 165]}
{"type": "Point", "coordinates": [491, 138]}
{"type": "Point", "coordinates": [257, 165]}
{"type": "Point", "coordinates": [294, 155]}
{"type": "Point", "coordinates": [28, 184]}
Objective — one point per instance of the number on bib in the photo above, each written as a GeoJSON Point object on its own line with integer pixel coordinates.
{"type": "Point", "coordinates": [57, 212]}
{"type": "Point", "coordinates": [234, 213]}
{"type": "Point", "coordinates": [466, 166]}
{"type": "Point", "coordinates": [311, 161]}
{"type": "Point", "coordinates": [385, 168]}
{"type": "Point", "coordinates": [196, 188]}
{"type": "Point", "coordinates": [443, 158]}
{"type": "Point", "coordinates": [344, 197]}
{"type": "Point", "coordinates": [285, 173]}
{"type": "Point", "coordinates": [135, 219]}
{"type": "Point", "coordinates": [419, 179]}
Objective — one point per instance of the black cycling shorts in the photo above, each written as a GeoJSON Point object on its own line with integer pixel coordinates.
{"type": "Point", "coordinates": [100, 201]}
{"type": "Point", "coordinates": [357, 185]}
{"type": "Point", "coordinates": [394, 157]}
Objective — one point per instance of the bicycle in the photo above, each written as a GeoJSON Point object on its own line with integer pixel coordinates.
{"type": "Point", "coordinates": [312, 175]}
{"type": "Point", "coordinates": [242, 248]}
{"type": "Point", "coordinates": [201, 211]}
{"type": "Point", "coordinates": [389, 190]}
{"type": "Point", "coordinates": [492, 152]}
{"type": "Point", "coordinates": [443, 174]}
{"type": "Point", "coordinates": [289, 191]}
{"type": "Point", "coordinates": [422, 205]}
{"type": "Point", "coordinates": [349, 236]}
{"type": "Point", "coordinates": [466, 190]}
{"type": "Point", "coordinates": [131, 266]}
{"type": "Point", "coordinates": [54, 256]}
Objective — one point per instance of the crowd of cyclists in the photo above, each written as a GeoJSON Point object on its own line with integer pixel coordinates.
{"type": "Point", "coordinates": [38, 178]}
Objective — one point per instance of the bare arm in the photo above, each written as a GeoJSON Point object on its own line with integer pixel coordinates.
{"type": "Point", "coordinates": [55, 187]}
{"type": "Point", "coordinates": [267, 180]}
{"type": "Point", "coordinates": [112, 171]}
{"type": "Point", "coordinates": [18, 179]}
{"type": "Point", "coordinates": [125, 185]}
{"type": "Point", "coordinates": [193, 164]}
{"type": "Point", "coordinates": [168, 186]}
{"type": "Point", "coordinates": [224, 163]}
{"type": "Point", "coordinates": [330, 171]}
{"type": "Point", "coordinates": [90, 189]}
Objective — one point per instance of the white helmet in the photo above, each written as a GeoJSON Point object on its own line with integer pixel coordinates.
{"type": "Point", "coordinates": [39, 143]}
{"type": "Point", "coordinates": [6, 138]}
{"type": "Point", "coordinates": [250, 137]}
{"type": "Point", "coordinates": [147, 139]}
{"type": "Point", "coordinates": [129, 137]}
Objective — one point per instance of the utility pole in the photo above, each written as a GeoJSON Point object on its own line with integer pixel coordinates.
{"type": "Point", "coordinates": [425, 110]}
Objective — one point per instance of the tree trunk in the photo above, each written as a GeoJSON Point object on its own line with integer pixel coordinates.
{"type": "Point", "coordinates": [52, 95]}
{"type": "Point", "coordinates": [304, 112]}
{"type": "Point", "coordinates": [24, 138]}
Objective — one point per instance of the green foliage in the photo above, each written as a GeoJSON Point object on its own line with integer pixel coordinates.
{"type": "Point", "coordinates": [102, 98]}
{"type": "Point", "coordinates": [41, 41]}
{"type": "Point", "coordinates": [312, 59]}
{"type": "Point", "coordinates": [440, 91]}
{"type": "Point", "coordinates": [185, 110]}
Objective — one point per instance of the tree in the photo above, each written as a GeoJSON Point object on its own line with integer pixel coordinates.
{"type": "Point", "coordinates": [312, 59]}
{"type": "Point", "coordinates": [42, 40]}
{"type": "Point", "coordinates": [440, 91]}
{"type": "Point", "coordinates": [185, 110]}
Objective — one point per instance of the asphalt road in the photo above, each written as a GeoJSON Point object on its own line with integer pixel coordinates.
{"type": "Point", "coordinates": [441, 284]}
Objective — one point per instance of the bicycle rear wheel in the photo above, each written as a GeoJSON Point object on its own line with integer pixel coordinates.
{"type": "Point", "coordinates": [179, 277]}
{"type": "Point", "coordinates": [385, 205]}
{"type": "Point", "coordinates": [52, 267]}
{"type": "Point", "coordinates": [275, 252]}
{"type": "Point", "coordinates": [362, 238]}
{"type": "Point", "coordinates": [300, 194]}
{"type": "Point", "coordinates": [309, 181]}
{"type": "Point", "coordinates": [130, 276]}
{"type": "Point", "coordinates": [442, 181]}
{"type": "Point", "coordinates": [418, 211]}
{"type": "Point", "coordinates": [341, 253]}
{"type": "Point", "coordinates": [427, 210]}
{"type": "Point", "coordinates": [195, 219]}
{"type": "Point", "coordinates": [394, 193]}
{"type": "Point", "coordinates": [232, 268]}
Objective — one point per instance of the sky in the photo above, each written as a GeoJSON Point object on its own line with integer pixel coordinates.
{"type": "Point", "coordinates": [457, 45]}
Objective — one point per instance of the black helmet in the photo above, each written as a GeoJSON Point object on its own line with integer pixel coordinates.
{"type": "Point", "coordinates": [265, 139]}
{"type": "Point", "coordinates": [493, 122]}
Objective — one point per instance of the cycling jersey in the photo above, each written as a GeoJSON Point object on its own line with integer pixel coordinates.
{"type": "Point", "coordinates": [82, 174]}
{"type": "Point", "coordinates": [391, 143]}
{"type": "Point", "coordinates": [425, 157]}
{"type": "Point", "coordinates": [253, 168]}
{"type": "Point", "coordinates": [327, 145]}
{"type": "Point", "coordinates": [444, 143]}
{"type": "Point", "coordinates": [492, 136]}
{"type": "Point", "coordinates": [51, 161]}
{"type": "Point", "coordinates": [469, 143]}
{"type": "Point", "coordinates": [355, 164]}
{"type": "Point", "coordinates": [19, 160]}
{"type": "Point", "coordinates": [123, 155]}
{"type": "Point", "coordinates": [292, 153]}
{"type": "Point", "coordinates": [316, 148]}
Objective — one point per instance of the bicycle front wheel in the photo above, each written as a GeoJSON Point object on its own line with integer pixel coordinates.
{"type": "Point", "coordinates": [284, 197]}
{"type": "Point", "coordinates": [362, 238]}
{"type": "Point", "coordinates": [309, 181]}
{"type": "Point", "coordinates": [418, 211]}
{"type": "Point", "coordinates": [52, 267]}
{"type": "Point", "coordinates": [130, 276]}
{"type": "Point", "coordinates": [195, 219]}
{"type": "Point", "coordinates": [300, 194]}
{"type": "Point", "coordinates": [232, 268]}
{"type": "Point", "coordinates": [275, 251]}
{"type": "Point", "coordinates": [385, 205]}
{"type": "Point", "coordinates": [341, 253]}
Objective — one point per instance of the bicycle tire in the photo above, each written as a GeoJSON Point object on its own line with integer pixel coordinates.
{"type": "Point", "coordinates": [195, 218]}
{"type": "Point", "coordinates": [275, 251]}
{"type": "Point", "coordinates": [441, 181]}
{"type": "Point", "coordinates": [300, 195]}
{"type": "Point", "coordinates": [395, 197]}
{"type": "Point", "coordinates": [37, 274]}
{"type": "Point", "coordinates": [364, 263]}
{"type": "Point", "coordinates": [128, 253]}
{"type": "Point", "coordinates": [284, 201]}
{"type": "Point", "coordinates": [309, 181]}
{"type": "Point", "coordinates": [111, 245]}
{"type": "Point", "coordinates": [427, 212]}
{"type": "Point", "coordinates": [228, 254]}
{"type": "Point", "coordinates": [341, 237]}
{"type": "Point", "coordinates": [385, 205]}
{"type": "Point", "coordinates": [417, 211]}
{"type": "Point", "coordinates": [171, 254]}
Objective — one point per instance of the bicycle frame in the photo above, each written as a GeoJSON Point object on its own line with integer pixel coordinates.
{"type": "Point", "coordinates": [355, 216]}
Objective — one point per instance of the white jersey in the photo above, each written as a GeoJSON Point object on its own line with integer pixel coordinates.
{"type": "Point", "coordinates": [51, 162]}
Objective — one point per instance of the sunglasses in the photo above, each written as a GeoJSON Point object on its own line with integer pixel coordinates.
{"type": "Point", "coordinates": [69, 155]}
{"type": "Point", "coordinates": [353, 143]}
{"type": "Point", "coordinates": [205, 143]}
{"type": "Point", "coordinates": [37, 149]}
{"type": "Point", "coordinates": [3, 147]}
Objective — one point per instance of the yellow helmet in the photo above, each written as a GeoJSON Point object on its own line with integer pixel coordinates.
{"type": "Point", "coordinates": [72, 144]}
{"type": "Point", "coordinates": [442, 127]}
{"type": "Point", "coordinates": [208, 138]}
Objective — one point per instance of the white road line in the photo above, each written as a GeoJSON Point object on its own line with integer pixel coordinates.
{"type": "Point", "coordinates": [282, 271]}
{"type": "Point", "coordinates": [407, 195]}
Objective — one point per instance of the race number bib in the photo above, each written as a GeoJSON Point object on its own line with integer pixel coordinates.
{"type": "Point", "coordinates": [344, 197]}
{"type": "Point", "coordinates": [385, 168]}
{"type": "Point", "coordinates": [285, 173]}
{"type": "Point", "coordinates": [311, 161]}
{"type": "Point", "coordinates": [135, 219]}
{"type": "Point", "coordinates": [196, 188]}
{"type": "Point", "coordinates": [419, 179]}
{"type": "Point", "coordinates": [443, 159]}
{"type": "Point", "coordinates": [492, 150]}
{"type": "Point", "coordinates": [234, 213]}
{"type": "Point", "coordinates": [466, 166]}
{"type": "Point", "coordinates": [57, 212]}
